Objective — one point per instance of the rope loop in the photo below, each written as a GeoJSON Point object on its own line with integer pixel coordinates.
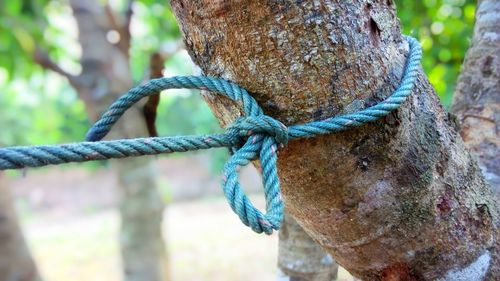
{"type": "Point", "coordinates": [264, 148]}
{"type": "Point", "coordinates": [260, 134]}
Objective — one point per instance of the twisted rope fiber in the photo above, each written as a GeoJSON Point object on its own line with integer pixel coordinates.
{"type": "Point", "coordinates": [252, 136]}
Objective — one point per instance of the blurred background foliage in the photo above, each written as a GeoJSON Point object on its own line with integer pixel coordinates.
{"type": "Point", "coordinates": [444, 27]}
{"type": "Point", "coordinates": [40, 107]}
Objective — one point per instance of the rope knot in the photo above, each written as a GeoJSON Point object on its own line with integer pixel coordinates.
{"type": "Point", "coordinates": [261, 136]}
{"type": "Point", "coordinates": [247, 126]}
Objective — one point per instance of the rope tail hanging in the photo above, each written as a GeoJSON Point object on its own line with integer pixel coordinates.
{"type": "Point", "coordinates": [252, 136]}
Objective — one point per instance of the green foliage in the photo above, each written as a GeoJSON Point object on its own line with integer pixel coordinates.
{"type": "Point", "coordinates": [35, 106]}
{"type": "Point", "coordinates": [156, 27]}
{"type": "Point", "coordinates": [37, 113]}
{"type": "Point", "coordinates": [444, 27]}
{"type": "Point", "coordinates": [18, 34]}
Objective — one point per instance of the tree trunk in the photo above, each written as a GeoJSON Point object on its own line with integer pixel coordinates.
{"type": "Point", "coordinates": [399, 199]}
{"type": "Point", "coordinates": [300, 258]}
{"type": "Point", "coordinates": [477, 97]}
{"type": "Point", "coordinates": [105, 76]}
{"type": "Point", "coordinates": [16, 263]}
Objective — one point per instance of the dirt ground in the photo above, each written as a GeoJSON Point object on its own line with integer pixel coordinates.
{"type": "Point", "coordinates": [77, 239]}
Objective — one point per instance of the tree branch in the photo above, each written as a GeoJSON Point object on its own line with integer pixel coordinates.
{"type": "Point", "coordinates": [128, 19]}
{"type": "Point", "coordinates": [41, 57]}
{"type": "Point", "coordinates": [112, 17]}
{"type": "Point", "coordinates": [156, 65]}
{"type": "Point", "coordinates": [121, 26]}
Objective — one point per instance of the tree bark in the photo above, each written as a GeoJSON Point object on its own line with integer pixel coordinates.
{"type": "Point", "coordinates": [477, 97]}
{"type": "Point", "coordinates": [300, 258]}
{"type": "Point", "coordinates": [105, 76]}
{"type": "Point", "coordinates": [16, 263]}
{"type": "Point", "coordinates": [399, 199]}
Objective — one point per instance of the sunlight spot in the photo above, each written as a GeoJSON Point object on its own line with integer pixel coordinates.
{"type": "Point", "coordinates": [113, 36]}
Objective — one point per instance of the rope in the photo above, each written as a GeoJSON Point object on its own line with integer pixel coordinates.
{"type": "Point", "coordinates": [253, 136]}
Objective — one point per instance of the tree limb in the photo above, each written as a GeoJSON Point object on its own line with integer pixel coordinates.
{"type": "Point", "coordinates": [42, 58]}
{"type": "Point", "coordinates": [156, 65]}
{"type": "Point", "coordinates": [113, 21]}
{"type": "Point", "coordinates": [128, 19]}
{"type": "Point", "coordinates": [123, 28]}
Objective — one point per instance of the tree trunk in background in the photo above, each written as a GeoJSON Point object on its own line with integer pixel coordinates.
{"type": "Point", "coordinates": [105, 76]}
{"type": "Point", "coordinates": [16, 263]}
{"type": "Point", "coordinates": [399, 199]}
{"type": "Point", "coordinates": [477, 97]}
{"type": "Point", "coordinates": [300, 258]}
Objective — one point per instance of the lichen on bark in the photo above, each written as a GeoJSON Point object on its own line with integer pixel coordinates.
{"type": "Point", "coordinates": [399, 199]}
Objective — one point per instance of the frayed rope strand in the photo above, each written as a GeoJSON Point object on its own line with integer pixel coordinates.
{"type": "Point", "coordinates": [253, 136]}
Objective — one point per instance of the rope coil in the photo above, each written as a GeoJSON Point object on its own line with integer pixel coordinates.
{"type": "Point", "coordinates": [261, 135]}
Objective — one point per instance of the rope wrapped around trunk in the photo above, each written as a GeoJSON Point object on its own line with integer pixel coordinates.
{"type": "Point", "coordinates": [252, 136]}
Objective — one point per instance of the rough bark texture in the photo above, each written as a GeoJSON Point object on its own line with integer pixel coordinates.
{"type": "Point", "coordinates": [105, 76]}
{"type": "Point", "coordinates": [300, 258]}
{"type": "Point", "coordinates": [477, 97]}
{"type": "Point", "coordinates": [400, 199]}
{"type": "Point", "coordinates": [16, 263]}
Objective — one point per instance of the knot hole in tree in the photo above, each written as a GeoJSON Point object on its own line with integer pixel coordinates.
{"type": "Point", "coordinates": [372, 26]}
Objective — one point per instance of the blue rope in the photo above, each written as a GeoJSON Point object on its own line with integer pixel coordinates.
{"type": "Point", "coordinates": [253, 136]}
